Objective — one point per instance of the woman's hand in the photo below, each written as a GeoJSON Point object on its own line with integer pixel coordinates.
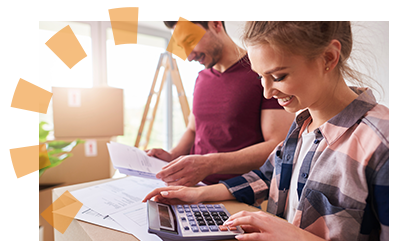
{"type": "Point", "coordinates": [175, 195]}
{"type": "Point", "coordinates": [264, 226]}
{"type": "Point", "coordinates": [190, 195]}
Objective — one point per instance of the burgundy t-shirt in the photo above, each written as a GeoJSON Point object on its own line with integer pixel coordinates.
{"type": "Point", "coordinates": [227, 108]}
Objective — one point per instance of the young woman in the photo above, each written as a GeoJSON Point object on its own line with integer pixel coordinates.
{"type": "Point", "coordinates": [329, 179]}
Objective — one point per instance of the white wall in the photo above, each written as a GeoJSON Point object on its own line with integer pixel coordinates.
{"type": "Point", "coordinates": [370, 51]}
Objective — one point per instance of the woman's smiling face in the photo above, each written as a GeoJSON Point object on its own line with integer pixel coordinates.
{"type": "Point", "coordinates": [292, 79]}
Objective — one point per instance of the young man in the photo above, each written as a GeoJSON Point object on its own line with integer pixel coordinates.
{"type": "Point", "coordinates": [232, 128]}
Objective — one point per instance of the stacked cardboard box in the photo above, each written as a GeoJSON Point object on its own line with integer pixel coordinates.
{"type": "Point", "coordinates": [91, 114]}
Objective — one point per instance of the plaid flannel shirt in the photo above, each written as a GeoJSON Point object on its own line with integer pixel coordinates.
{"type": "Point", "coordinates": [343, 184]}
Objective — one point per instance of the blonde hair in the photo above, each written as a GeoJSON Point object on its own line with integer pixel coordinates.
{"type": "Point", "coordinates": [307, 38]}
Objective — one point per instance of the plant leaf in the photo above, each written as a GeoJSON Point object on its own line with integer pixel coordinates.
{"type": "Point", "coordinates": [42, 132]}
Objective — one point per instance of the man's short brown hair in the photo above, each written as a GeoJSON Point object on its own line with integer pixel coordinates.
{"type": "Point", "coordinates": [171, 24]}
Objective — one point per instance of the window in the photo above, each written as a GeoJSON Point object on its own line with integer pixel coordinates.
{"type": "Point", "coordinates": [57, 74]}
{"type": "Point", "coordinates": [132, 67]}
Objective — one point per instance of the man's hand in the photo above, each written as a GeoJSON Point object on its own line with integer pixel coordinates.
{"type": "Point", "coordinates": [160, 154]}
{"type": "Point", "coordinates": [186, 170]}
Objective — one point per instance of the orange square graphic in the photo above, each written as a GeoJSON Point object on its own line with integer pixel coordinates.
{"type": "Point", "coordinates": [30, 97]}
{"type": "Point", "coordinates": [62, 211]}
{"type": "Point", "coordinates": [185, 37]}
{"type": "Point", "coordinates": [124, 23]}
{"type": "Point", "coordinates": [25, 160]}
{"type": "Point", "coordinates": [66, 46]}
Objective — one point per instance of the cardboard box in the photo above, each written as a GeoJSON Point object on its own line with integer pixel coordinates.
{"type": "Point", "coordinates": [90, 161]}
{"type": "Point", "coordinates": [45, 200]}
{"type": "Point", "coordinates": [87, 112]}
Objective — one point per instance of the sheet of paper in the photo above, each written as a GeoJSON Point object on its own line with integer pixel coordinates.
{"type": "Point", "coordinates": [123, 156]}
{"type": "Point", "coordinates": [121, 200]}
{"type": "Point", "coordinates": [91, 216]}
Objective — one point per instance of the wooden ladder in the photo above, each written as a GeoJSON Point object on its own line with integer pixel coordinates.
{"type": "Point", "coordinates": [171, 67]}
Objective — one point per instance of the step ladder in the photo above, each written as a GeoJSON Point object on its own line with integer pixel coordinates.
{"type": "Point", "coordinates": [170, 67]}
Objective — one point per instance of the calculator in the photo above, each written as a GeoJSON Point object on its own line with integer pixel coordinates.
{"type": "Point", "coordinates": [189, 222]}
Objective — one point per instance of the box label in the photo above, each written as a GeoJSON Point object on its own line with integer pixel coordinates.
{"type": "Point", "coordinates": [91, 148]}
{"type": "Point", "coordinates": [74, 98]}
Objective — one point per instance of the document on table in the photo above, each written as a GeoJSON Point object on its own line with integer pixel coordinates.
{"type": "Point", "coordinates": [121, 201]}
{"type": "Point", "coordinates": [133, 161]}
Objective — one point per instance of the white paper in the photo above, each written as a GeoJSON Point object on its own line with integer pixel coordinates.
{"type": "Point", "coordinates": [121, 200]}
{"type": "Point", "coordinates": [134, 160]}
{"type": "Point", "coordinates": [89, 215]}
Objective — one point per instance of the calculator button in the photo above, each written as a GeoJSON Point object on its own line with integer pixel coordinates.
{"type": "Point", "coordinates": [217, 206]}
{"type": "Point", "coordinates": [209, 206]}
{"type": "Point", "coordinates": [181, 211]}
{"type": "Point", "coordinates": [193, 206]}
{"type": "Point", "coordinates": [204, 228]}
{"type": "Point", "coordinates": [195, 229]}
{"type": "Point", "coordinates": [188, 210]}
{"type": "Point", "coordinates": [224, 217]}
{"type": "Point", "coordinates": [186, 206]}
{"type": "Point", "coordinates": [207, 218]}
{"type": "Point", "coordinates": [219, 222]}
{"type": "Point", "coordinates": [202, 206]}
{"type": "Point", "coordinates": [210, 222]}
{"type": "Point", "coordinates": [223, 228]}
{"type": "Point", "coordinates": [214, 214]}
{"type": "Point", "coordinates": [232, 228]}
{"type": "Point", "coordinates": [183, 219]}
{"type": "Point", "coordinates": [222, 213]}
{"type": "Point", "coordinates": [206, 213]}
{"type": "Point", "coordinates": [197, 214]}
{"type": "Point", "coordinates": [201, 223]}
{"type": "Point", "coordinates": [195, 209]}
{"type": "Point", "coordinates": [203, 209]}
{"type": "Point", "coordinates": [179, 206]}
{"type": "Point", "coordinates": [186, 228]}
{"type": "Point", "coordinates": [216, 217]}
{"type": "Point", "coordinates": [214, 228]}
{"type": "Point", "coordinates": [190, 218]}
{"type": "Point", "coordinates": [192, 223]}
{"type": "Point", "coordinates": [199, 218]}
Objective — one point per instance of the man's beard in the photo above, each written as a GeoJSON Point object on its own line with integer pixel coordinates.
{"type": "Point", "coordinates": [215, 53]}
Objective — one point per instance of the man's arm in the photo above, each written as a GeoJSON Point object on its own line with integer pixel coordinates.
{"type": "Point", "coordinates": [189, 170]}
{"type": "Point", "coordinates": [275, 124]}
{"type": "Point", "coordinates": [182, 148]}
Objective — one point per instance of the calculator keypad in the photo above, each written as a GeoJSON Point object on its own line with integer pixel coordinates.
{"type": "Point", "coordinates": [203, 218]}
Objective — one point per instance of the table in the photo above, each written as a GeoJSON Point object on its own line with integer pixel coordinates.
{"type": "Point", "coordinates": [84, 231]}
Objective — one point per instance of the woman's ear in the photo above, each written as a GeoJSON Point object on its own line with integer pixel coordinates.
{"type": "Point", "coordinates": [332, 55]}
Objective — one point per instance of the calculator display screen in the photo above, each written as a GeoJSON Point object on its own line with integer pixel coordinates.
{"type": "Point", "coordinates": [165, 220]}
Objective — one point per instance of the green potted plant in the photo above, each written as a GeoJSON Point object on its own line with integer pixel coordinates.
{"type": "Point", "coordinates": [57, 151]}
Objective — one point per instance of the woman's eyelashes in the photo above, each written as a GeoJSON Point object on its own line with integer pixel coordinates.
{"type": "Point", "coordinates": [279, 78]}
{"type": "Point", "coordinates": [273, 78]}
